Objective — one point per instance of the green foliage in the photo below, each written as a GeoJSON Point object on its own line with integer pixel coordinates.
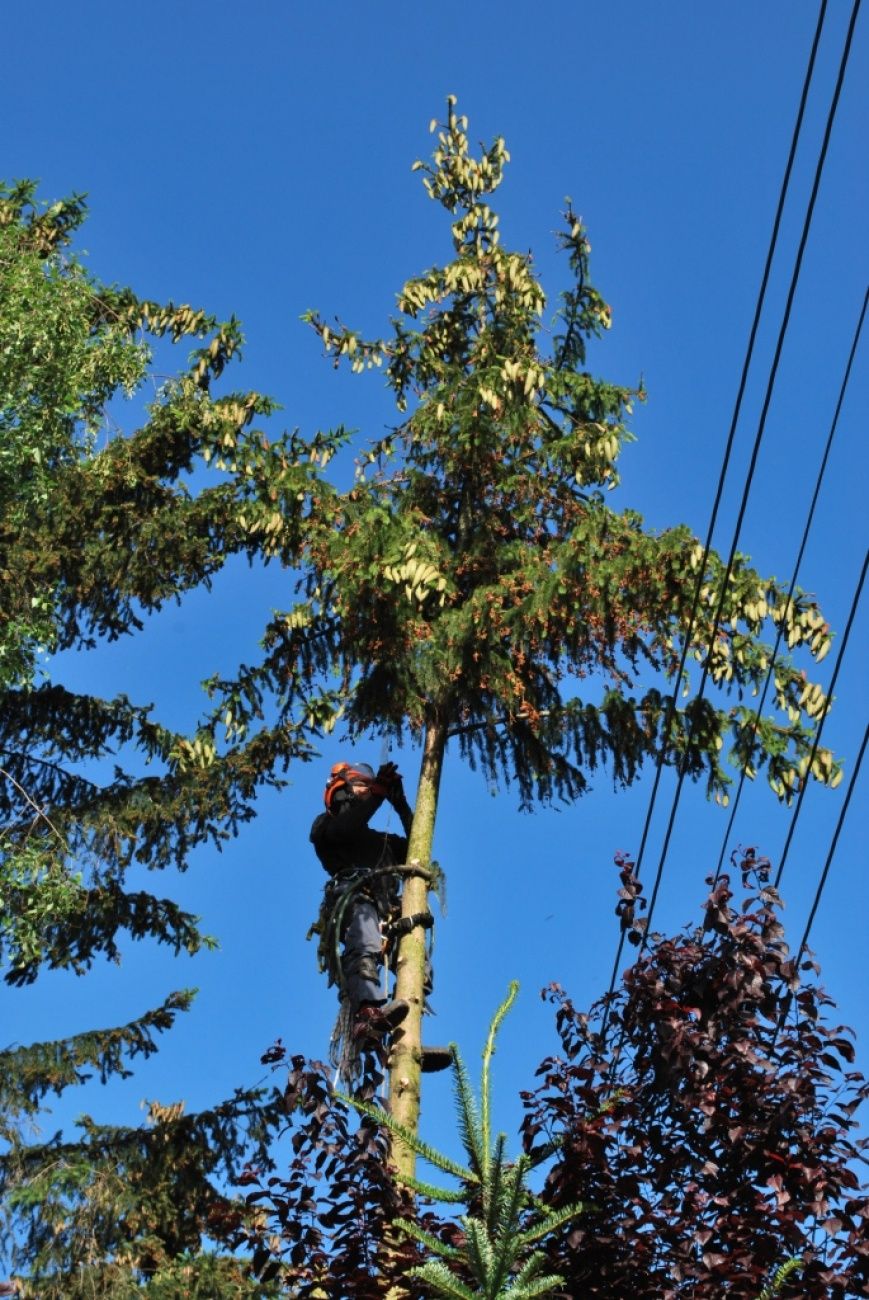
{"type": "Point", "coordinates": [204, 1276]}
{"type": "Point", "coordinates": [29, 1074]}
{"type": "Point", "coordinates": [782, 1276]}
{"type": "Point", "coordinates": [474, 578]}
{"type": "Point", "coordinates": [98, 529]}
{"type": "Point", "coordinates": [503, 1223]}
{"type": "Point", "coordinates": [123, 1209]}
{"type": "Point", "coordinates": [57, 372]}
{"type": "Point", "coordinates": [92, 540]}
{"type": "Point", "coordinates": [474, 585]}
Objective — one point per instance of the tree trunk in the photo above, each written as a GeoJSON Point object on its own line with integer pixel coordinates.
{"type": "Point", "coordinates": [404, 1072]}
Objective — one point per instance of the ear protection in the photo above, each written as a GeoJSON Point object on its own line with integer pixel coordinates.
{"type": "Point", "coordinates": [343, 775]}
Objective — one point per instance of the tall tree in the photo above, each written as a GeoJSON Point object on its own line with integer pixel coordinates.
{"type": "Point", "coordinates": [93, 539]}
{"type": "Point", "coordinates": [473, 584]}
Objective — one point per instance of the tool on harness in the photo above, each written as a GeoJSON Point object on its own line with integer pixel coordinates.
{"type": "Point", "coordinates": [342, 891]}
{"type": "Point", "coordinates": [404, 924]}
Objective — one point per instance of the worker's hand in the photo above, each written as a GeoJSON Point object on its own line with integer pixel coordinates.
{"type": "Point", "coordinates": [389, 777]}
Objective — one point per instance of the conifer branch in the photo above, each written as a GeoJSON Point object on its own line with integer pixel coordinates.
{"type": "Point", "coordinates": [434, 1157]}
{"type": "Point", "coordinates": [554, 1220]}
{"type": "Point", "coordinates": [450, 1195]}
{"type": "Point", "coordinates": [427, 1239]}
{"type": "Point", "coordinates": [467, 1111]}
{"type": "Point", "coordinates": [781, 1276]}
{"type": "Point", "coordinates": [485, 1082]}
{"type": "Point", "coordinates": [442, 1281]}
{"type": "Point", "coordinates": [27, 1074]}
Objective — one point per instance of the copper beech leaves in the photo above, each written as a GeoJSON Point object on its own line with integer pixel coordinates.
{"type": "Point", "coordinates": [711, 1143]}
{"type": "Point", "coordinates": [729, 1136]}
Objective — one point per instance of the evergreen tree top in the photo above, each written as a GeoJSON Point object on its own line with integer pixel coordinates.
{"type": "Point", "coordinates": [474, 577]}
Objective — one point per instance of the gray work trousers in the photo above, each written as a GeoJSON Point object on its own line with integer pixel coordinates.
{"type": "Point", "coordinates": [362, 960]}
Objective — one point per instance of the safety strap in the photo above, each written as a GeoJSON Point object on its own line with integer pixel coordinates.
{"type": "Point", "coordinates": [404, 925]}
{"type": "Point", "coordinates": [348, 888]}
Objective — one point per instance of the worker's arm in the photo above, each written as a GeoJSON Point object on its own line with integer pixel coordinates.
{"type": "Point", "coordinates": [390, 777]}
{"type": "Point", "coordinates": [404, 810]}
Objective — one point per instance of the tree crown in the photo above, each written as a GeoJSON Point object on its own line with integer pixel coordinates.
{"type": "Point", "coordinates": [474, 575]}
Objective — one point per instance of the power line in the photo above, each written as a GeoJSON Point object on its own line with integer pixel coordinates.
{"type": "Point", "coordinates": [838, 664]}
{"type": "Point", "coordinates": [843, 811]}
{"type": "Point", "coordinates": [761, 297]}
{"type": "Point", "coordinates": [806, 530]}
{"type": "Point", "coordinates": [832, 850]}
{"type": "Point", "coordinates": [840, 822]}
{"type": "Point", "coordinates": [759, 436]}
{"type": "Point", "coordinates": [737, 408]}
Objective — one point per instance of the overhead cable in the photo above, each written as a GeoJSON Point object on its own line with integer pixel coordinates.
{"type": "Point", "coordinates": [734, 420]}
{"type": "Point", "coordinates": [759, 436]}
{"type": "Point", "coordinates": [755, 722]}
{"type": "Point", "coordinates": [843, 812]}
{"type": "Point", "coordinates": [761, 297]}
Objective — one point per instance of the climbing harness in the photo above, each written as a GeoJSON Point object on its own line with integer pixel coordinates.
{"type": "Point", "coordinates": [341, 893]}
{"type": "Point", "coordinates": [344, 890]}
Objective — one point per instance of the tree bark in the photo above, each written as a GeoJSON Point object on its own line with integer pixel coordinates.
{"type": "Point", "coordinates": [404, 1071]}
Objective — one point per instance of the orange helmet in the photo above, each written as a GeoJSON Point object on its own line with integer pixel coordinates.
{"type": "Point", "coordinates": [343, 775]}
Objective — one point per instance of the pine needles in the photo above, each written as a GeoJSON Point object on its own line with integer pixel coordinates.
{"type": "Point", "coordinates": [494, 1257]}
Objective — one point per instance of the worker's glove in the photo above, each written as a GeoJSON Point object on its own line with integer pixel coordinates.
{"type": "Point", "coordinates": [389, 779]}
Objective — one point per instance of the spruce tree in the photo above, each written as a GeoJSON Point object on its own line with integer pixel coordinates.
{"type": "Point", "coordinates": [504, 1223]}
{"type": "Point", "coordinates": [123, 1211]}
{"type": "Point", "coordinates": [473, 584]}
{"type": "Point", "coordinates": [96, 534]}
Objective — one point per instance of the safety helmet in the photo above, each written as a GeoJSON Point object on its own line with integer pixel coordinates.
{"type": "Point", "coordinates": [342, 777]}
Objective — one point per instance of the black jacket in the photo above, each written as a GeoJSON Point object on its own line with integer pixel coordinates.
{"type": "Point", "coordinates": [343, 840]}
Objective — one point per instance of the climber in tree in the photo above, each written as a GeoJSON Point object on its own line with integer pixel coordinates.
{"type": "Point", "coordinates": [349, 849]}
{"type": "Point", "coordinates": [362, 894]}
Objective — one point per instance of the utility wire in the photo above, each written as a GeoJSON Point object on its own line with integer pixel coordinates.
{"type": "Point", "coordinates": [788, 1002]}
{"type": "Point", "coordinates": [698, 586]}
{"type": "Point", "coordinates": [835, 840]}
{"type": "Point", "coordinates": [757, 441]}
{"type": "Point", "coordinates": [840, 822]}
{"type": "Point", "coordinates": [805, 783]}
{"type": "Point", "coordinates": [778, 640]}
{"type": "Point", "coordinates": [843, 811]}
{"type": "Point", "coordinates": [672, 702]}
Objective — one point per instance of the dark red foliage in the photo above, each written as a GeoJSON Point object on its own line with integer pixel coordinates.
{"type": "Point", "coordinates": [712, 1132]}
{"type": "Point", "coordinates": [710, 1136]}
{"type": "Point", "coordinates": [324, 1228]}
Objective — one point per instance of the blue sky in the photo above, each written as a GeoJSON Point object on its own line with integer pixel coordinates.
{"type": "Point", "coordinates": [256, 160]}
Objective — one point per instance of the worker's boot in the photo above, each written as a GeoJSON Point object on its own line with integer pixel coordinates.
{"type": "Point", "coordinates": [434, 1059]}
{"type": "Point", "coordinates": [380, 1018]}
{"type": "Point", "coordinates": [392, 1013]}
